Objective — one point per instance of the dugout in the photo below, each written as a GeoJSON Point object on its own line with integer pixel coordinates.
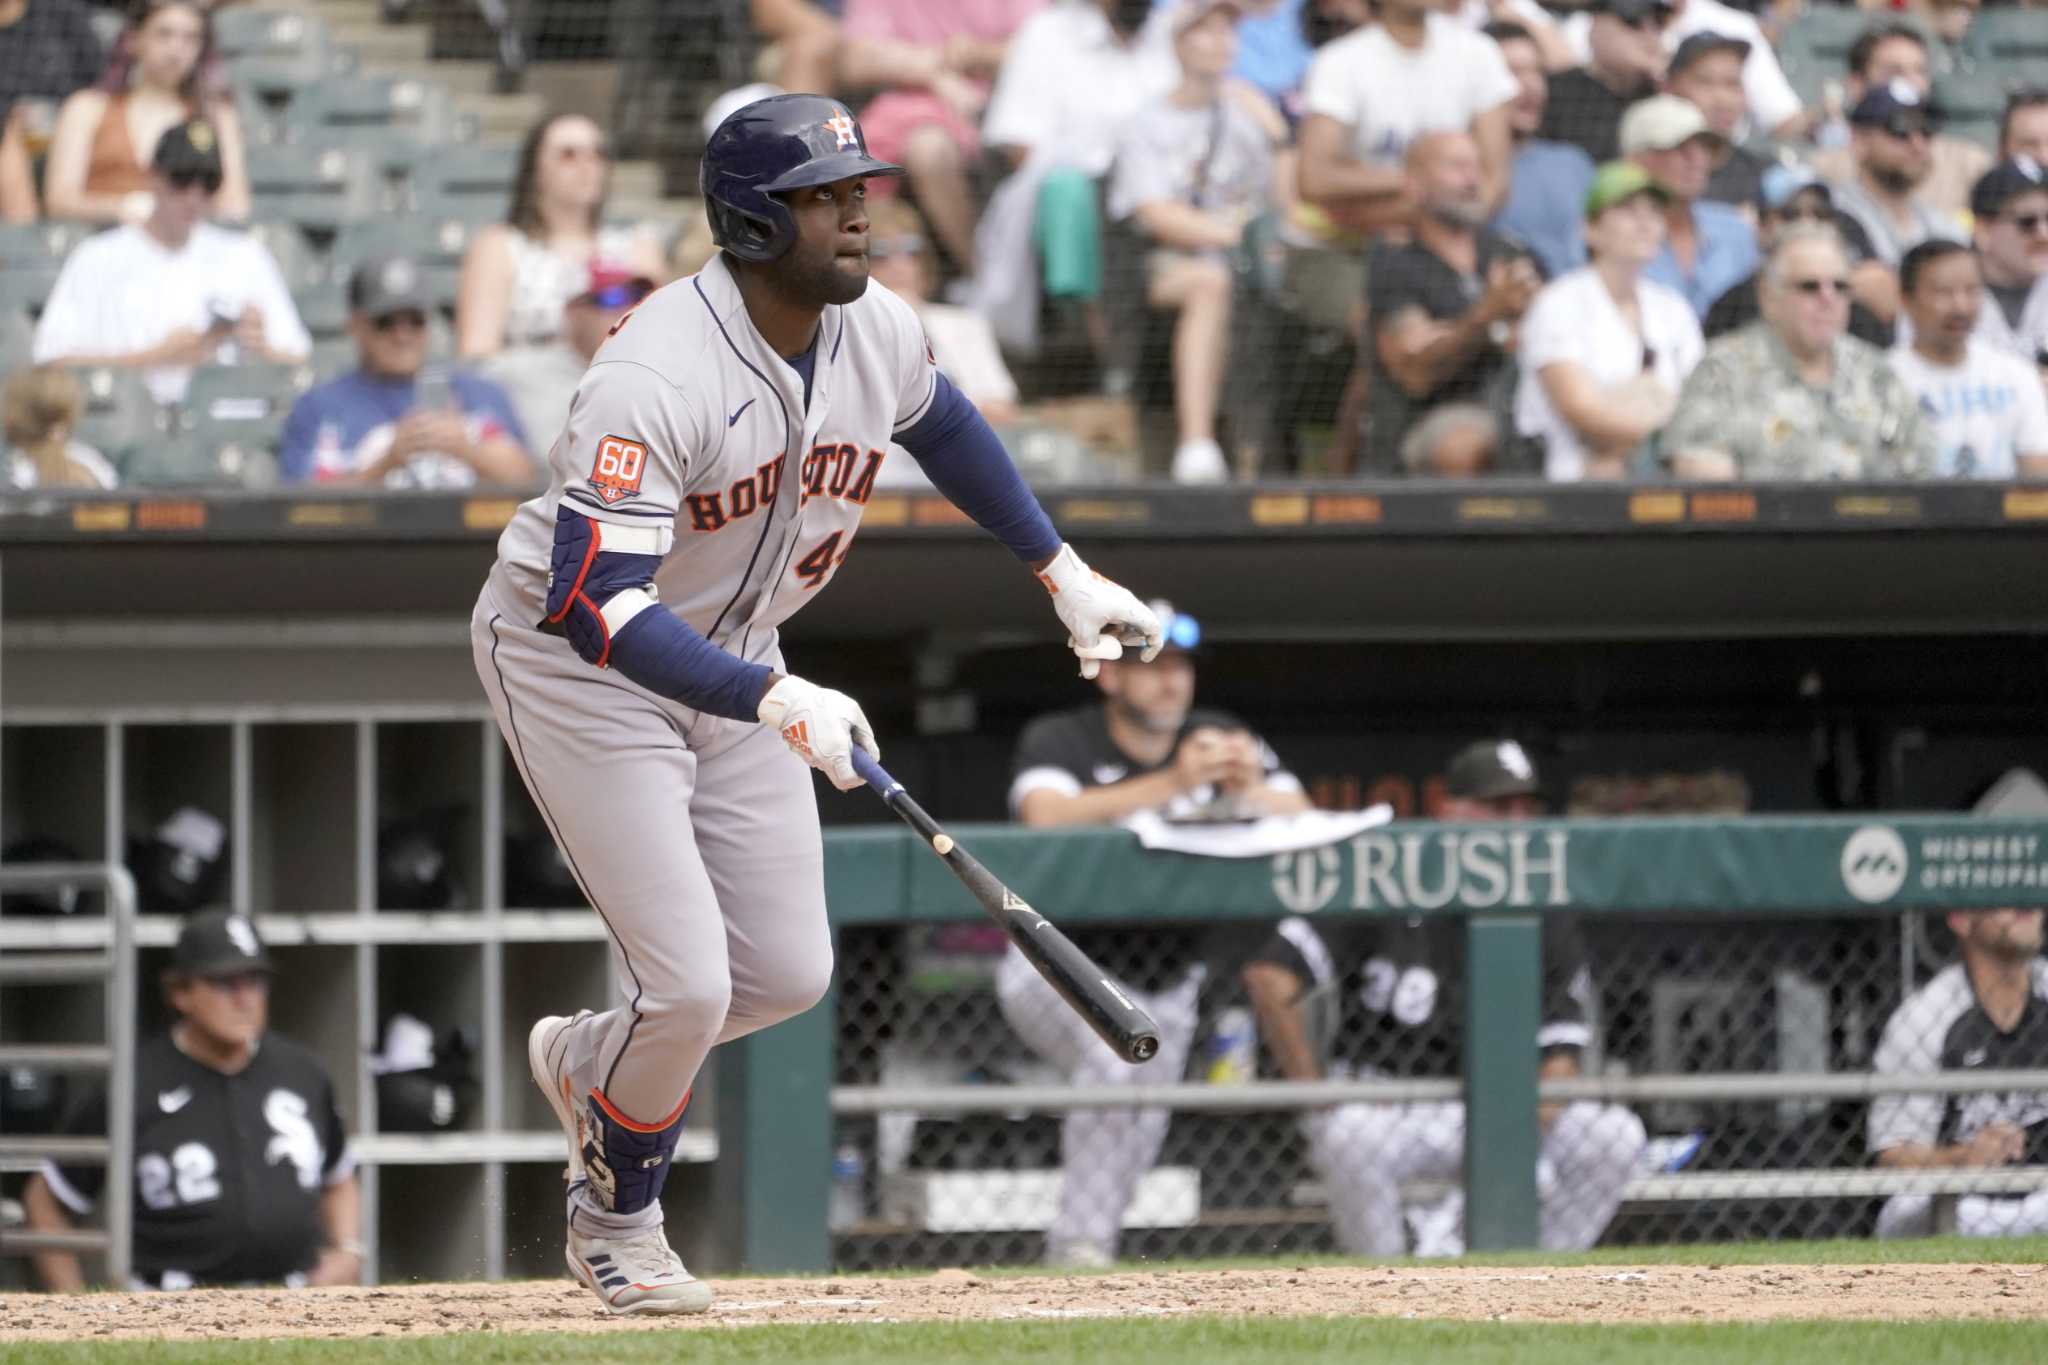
{"type": "Point", "coordinates": [299, 665]}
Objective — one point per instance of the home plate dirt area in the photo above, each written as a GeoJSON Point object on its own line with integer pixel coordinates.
{"type": "Point", "coordinates": [1610, 1293]}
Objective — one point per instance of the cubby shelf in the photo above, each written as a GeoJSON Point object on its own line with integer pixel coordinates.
{"type": "Point", "coordinates": [316, 806]}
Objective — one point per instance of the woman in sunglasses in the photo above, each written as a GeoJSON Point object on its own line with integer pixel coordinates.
{"type": "Point", "coordinates": [99, 164]}
{"type": "Point", "coordinates": [517, 275]}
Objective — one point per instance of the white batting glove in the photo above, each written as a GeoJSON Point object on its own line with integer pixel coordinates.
{"type": "Point", "coordinates": [1100, 617]}
{"type": "Point", "coordinates": [820, 727]}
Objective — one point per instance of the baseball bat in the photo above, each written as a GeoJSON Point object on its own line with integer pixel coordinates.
{"type": "Point", "coordinates": [1091, 992]}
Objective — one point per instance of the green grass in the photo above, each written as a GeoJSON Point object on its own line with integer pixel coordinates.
{"type": "Point", "coordinates": [1930, 1251]}
{"type": "Point", "coordinates": [1224, 1341]}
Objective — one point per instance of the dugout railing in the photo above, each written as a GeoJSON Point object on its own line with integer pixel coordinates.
{"type": "Point", "coordinates": [112, 967]}
{"type": "Point", "coordinates": [1796, 894]}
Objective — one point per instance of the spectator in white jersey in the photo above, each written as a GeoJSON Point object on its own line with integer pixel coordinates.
{"type": "Point", "coordinates": [1986, 1011]}
{"type": "Point", "coordinates": [174, 291]}
{"type": "Point", "coordinates": [1192, 169]}
{"type": "Point", "coordinates": [2009, 209]}
{"type": "Point", "coordinates": [1984, 405]}
{"type": "Point", "coordinates": [1143, 749]}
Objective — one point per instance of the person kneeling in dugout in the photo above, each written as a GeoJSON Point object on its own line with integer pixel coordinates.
{"type": "Point", "coordinates": [242, 1174]}
{"type": "Point", "coordinates": [1383, 997]}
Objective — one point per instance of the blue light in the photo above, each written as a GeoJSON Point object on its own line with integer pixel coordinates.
{"type": "Point", "coordinates": [1184, 632]}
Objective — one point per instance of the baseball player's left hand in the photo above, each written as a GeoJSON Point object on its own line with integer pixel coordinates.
{"type": "Point", "coordinates": [1100, 617]}
{"type": "Point", "coordinates": [820, 726]}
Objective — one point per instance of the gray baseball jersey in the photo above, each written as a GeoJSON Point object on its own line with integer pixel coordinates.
{"type": "Point", "coordinates": [677, 437]}
{"type": "Point", "coordinates": [695, 837]}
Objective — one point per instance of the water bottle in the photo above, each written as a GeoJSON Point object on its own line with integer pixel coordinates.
{"type": "Point", "coordinates": [848, 1204]}
{"type": "Point", "coordinates": [1233, 1047]}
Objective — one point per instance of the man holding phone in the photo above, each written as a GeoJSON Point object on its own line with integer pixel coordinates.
{"type": "Point", "coordinates": [399, 420]}
{"type": "Point", "coordinates": [175, 291]}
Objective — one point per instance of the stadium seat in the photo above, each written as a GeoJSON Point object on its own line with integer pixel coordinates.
{"type": "Point", "coordinates": [324, 308]}
{"type": "Point", "coordinates": [379, 102]}
{"type": "Point", "coordinates": [242, 404]}
{"type": "Point", "coordinates": [317, 188]}
{"type": "Point", "coordinates": [240, 32]}
{"type": "Point", "coordinates": [120, 416]}
{"type": "Point", "coordinates": [2002, 35]}
{"type": "Point", "coordinates": [300, 265]}
{"type": "Point", "coordinates": [1969, 98]}
{"type": "Point", "coordinates": [481, 172]}
{"type": "Point", "coordinates": [432, 241]}
{"type": "Point", "coordinates": [187, 460]}
{"type": "Point", "coordinates": [25, 285]}
{"type": "Point", "coordinates": [17, 341]}
{"type": "Point", "coordinates": [37, 243]}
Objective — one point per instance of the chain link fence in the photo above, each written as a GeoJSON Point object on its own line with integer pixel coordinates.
{"type": "Point", "coordinates": [1713, 1031]}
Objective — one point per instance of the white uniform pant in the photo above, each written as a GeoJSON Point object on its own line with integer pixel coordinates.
{"type": "Point", "coordinates": [695, 839]}
{"type": "Point", "coordinates": [1365, 1152]}
{"type": "Point", "coordinates": [1103, 1152]}
{"type": "Point", "coordinates": [1977, 1215]}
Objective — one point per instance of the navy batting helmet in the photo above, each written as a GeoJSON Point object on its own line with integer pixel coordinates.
{"type": "Point", "coordinates": [785, 142]}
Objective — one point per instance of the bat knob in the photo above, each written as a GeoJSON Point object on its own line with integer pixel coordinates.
{"type": "Point", "coordinates": [942, 844]}
{"type": "Point", "coordinates": [1144, 1047]}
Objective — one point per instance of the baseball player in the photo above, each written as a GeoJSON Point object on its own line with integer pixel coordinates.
{"type": "Point", "coordinates": [709, 483]}
{"type": "Point", "coordinates": [1384, 996]}
{"type": "Point", "coordinates": [1144, 747]}
{"type": "Point", "coordinates": [242, 1172]}
{"type": "Point", "coordinates": [1987, 1011]}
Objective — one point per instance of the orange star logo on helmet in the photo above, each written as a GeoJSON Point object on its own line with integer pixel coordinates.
{"type": "Point", "coordinates": [842, 127]}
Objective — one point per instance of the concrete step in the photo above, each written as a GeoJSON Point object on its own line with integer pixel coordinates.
{"type": "Point", "coordinates": [376, 44]}
{"type": "Point", "coordinates": [636, 180]}
{"type": "Point", "coordinates": [353, 13]}
{"type": "Point", "coordinates": [502, 116]}
{"type": "Point", "coordinates": [463, 80]}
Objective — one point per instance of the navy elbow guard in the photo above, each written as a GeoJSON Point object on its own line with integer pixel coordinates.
{"type": "Point", "coordinates": [602, 576]}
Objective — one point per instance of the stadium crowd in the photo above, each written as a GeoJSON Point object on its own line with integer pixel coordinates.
{"type": "Point", "coordinates": [1631, 239]}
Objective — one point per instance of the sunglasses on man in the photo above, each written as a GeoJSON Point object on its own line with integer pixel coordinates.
{"type": "Point", "coordinates": [1815, 287]}
{"type": "Point", "coordinates": [1903, 126]}
{"type": "Point", "coordinates": [185, 180]}
{"type": "Point", "coordinates": [409, 318]}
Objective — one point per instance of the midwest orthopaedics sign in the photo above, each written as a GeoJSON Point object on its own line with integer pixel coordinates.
{"type": "Point", "coordinates": [1982, 861]}
{"type": "Point", "coordinates": [1480, 869]}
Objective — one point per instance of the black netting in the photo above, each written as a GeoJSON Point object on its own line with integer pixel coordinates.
{"type": "Point", "coordinates": [1669, 997]}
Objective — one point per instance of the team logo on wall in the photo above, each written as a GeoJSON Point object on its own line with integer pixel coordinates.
{"type": "Point", "coordinates": [1874, 864]}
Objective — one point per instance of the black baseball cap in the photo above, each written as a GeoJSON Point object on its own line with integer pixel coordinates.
{"type": "Point", "coordinates": [1704, 44]}
{"type": "Point", "coordinates": [1490, 769]}
{"type": "Point", "coordinates": [1881, 105]}
{"type": "Point", "coordinates": [1632, 11]}
{"type": "Point", "coordinates": [190, 148]}
{"type": "Point", "coordinates": [219, 943]}
{"type": "Point", "coordinates": [394, 284]}
{"type": "Point", "coordinates": [2003, 183]}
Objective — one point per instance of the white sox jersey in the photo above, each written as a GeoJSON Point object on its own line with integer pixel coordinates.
{"type": "Point", "coordinates": [678, 444]}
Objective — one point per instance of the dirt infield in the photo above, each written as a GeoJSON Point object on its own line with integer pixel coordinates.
{"type": "Point", "coordinates": [1578, 1294]}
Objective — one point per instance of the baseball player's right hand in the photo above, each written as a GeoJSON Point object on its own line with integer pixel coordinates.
{"type": "Point", "coordinates": [1101, 617]}
{"type": "Point", "coordinates": [820, 726]}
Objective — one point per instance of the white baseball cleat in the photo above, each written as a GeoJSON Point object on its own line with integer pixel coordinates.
{"type": "Point", "coordinates": [635, 1273]}
{"type": "Point", "coordinates": [549, 1065]}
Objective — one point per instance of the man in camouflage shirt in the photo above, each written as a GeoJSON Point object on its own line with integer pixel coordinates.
{"type": "Point", "coordinates": [1793, 396]}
